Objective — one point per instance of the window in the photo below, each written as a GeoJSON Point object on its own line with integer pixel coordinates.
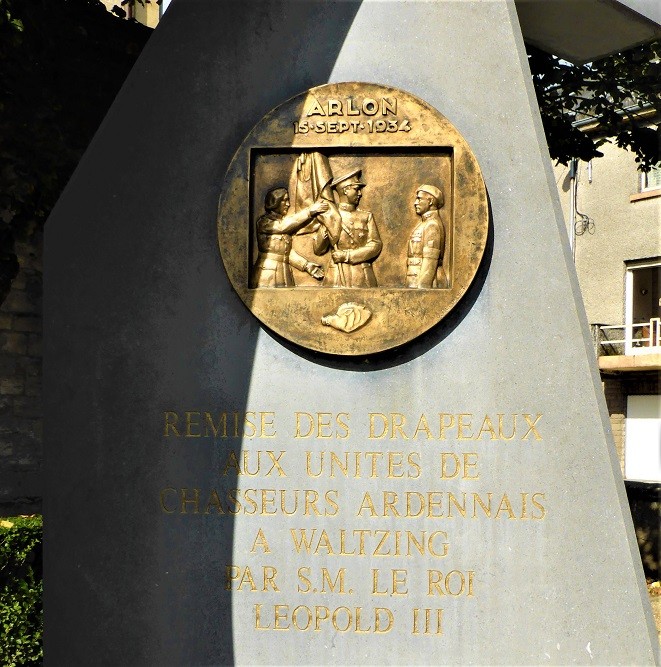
{"type": "Point", "coordinates": [651, 180]}
{"type": "Point", "coordinates": [642, 447]}
{"type": "Point", "coordinates": [643, 307]}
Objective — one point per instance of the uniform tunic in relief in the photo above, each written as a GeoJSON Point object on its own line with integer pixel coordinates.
{"type": "Point", "coordinates": [360, 243]}
{"type": "Point", "coordinates": [276, 255]}
{"type": "Point", "coordinates": [424, 268]}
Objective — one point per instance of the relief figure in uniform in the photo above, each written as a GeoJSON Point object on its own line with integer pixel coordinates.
{"type": "Point", "coordinates": [354, 243]}
{"type": "Point", "coordinates": [274, 241]}
{"type": "Point", "coordinates": [424, 257]}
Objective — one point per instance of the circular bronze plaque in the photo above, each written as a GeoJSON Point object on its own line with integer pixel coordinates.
{"type": "Point", "coordinates": [352, 218]}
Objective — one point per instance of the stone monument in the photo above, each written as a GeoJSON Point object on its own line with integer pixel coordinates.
{"type": "Point", "coordinates": [318, 377]}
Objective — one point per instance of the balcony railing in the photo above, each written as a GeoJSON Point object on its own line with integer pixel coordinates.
{"type": "Point", "coordinates": [640, 338]}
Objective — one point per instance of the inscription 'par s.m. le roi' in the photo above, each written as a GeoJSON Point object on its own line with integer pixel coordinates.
{"type": "Point", "coordinates": [362, 227]}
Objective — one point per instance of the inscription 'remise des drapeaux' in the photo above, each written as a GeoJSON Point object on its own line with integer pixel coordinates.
{"type": "Point", "coordinates": [337, 426]}
{"type": "Point", "coordinates": [353, 518]}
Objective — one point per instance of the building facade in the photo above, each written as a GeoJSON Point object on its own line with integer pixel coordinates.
{"type": "Point", "coordinates": [613, 215]}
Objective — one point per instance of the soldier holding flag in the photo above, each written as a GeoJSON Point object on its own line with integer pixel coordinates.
{"type": "Point", "coordinates": [356, 244]}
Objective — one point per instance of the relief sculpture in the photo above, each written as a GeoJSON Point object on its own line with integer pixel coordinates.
{"type": "Point", "coordinates": [274, 241]}
{"type": "Point", "coordinates": [355, 243]}
{"type": "Point", "coordinates": [352, 218]}
{"type": "Point", "coordinates": [424, 259]}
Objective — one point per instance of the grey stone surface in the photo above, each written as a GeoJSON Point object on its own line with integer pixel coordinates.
{"type": "Point", "coordinates": [140, 319]}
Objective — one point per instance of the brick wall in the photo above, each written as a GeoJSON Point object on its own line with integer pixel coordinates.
{"type": "Point", "coordinates": [20, 387]}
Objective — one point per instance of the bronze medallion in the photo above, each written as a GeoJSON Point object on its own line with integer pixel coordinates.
{"type": "Point", "coordinates": [352, 218]}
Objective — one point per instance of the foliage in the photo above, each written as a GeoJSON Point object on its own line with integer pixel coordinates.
{"type": "Point", "coordinates": [21, 587]}
{"type": "Point", "coordinates": [61, 64]}
{"type": "Point", "coordinates": [63, 61]}
{"type": "Point", "coordinates": [612, 92]}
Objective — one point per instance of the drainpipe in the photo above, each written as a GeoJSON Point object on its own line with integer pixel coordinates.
{"type": "Point", "coordinates": [573, 169]}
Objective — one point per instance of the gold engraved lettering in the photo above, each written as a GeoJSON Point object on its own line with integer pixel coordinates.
{"type": "Point", "coordinates": [452, 466]}
{"type": "Point", "coordinates": [281, 614]}
{"type": "Point", "coordinates": [260, 541]}
{"type": "Point", "coordinates": [389, 617]}
{"type": "Point", "coordinates": [192, 423]}
{"type": "Point", "coordinates": [339, 581]}
{"type": "Point", "coordinates": [215, 430]}
{"type": "Point", "coordinates": [270, 573]}
{"type": "Point", "coordinates": [343, 426]}
{"type": "Point", "coordinates": [194, 501]}
{"type": "Point", "coordinates": [487, 427]}
{"type": "Point", "coordinates": [171, 419]}
{"type": "Point", "coordinates": [440, 504]}
{"type": "Point", "coordinates": [465, 421]}
{"type": "Point", "coordinates": [250, 429]}
{"type": "Point", "coordinates": [395, 462]}
{"type": "Point", "coordinates": [389, 105]}
{"type": "Point", "coordinates": [258, 613]}
{"type": "Point", "coordinates": [267, 422]}
{"type": "Point", "coordinates": [455, 583]}
{"type": "Point", "coordinates": [198, 424]}
{"type": "Point", "coordinates": [431, 546]}
{"type": "Point", "coordinates": [350, 464]}
{"type": "Point", "coordinates": [397, 583]}
{"type": "Point", "coordinates": [308, 467]}
{"type": "Point", "coordinates": [329, 584]}
{"type": "Point", "coordinates": [384, 428]}
{"type": "Point", "coordinates": [538, 505]}
{"type": "Point", "coordinates": [276, 463]}
{"type": "Point", "coordinates": [316, 109]}
{"type": "Point", "coordinates": [213, 502]}
{"type": "Point", "coordinates": [301, 611]}
{"type": "Point", "coordinates": [531, 426]}
{"type": "Point", "coordinates": [397, 426]}
{"type": "Point", "coordinates": [375, 456]}
{"type": "Point", "coordinates": [423, 426]}
{"type": "Point", "coordinates": [501, 433]}
{"type": "Point", "coordinates": [445, 421]}
{"type": "Point", "coordinates": [370, 106]}
{"type": "Point", "coordinates": [322, 425]}
{"type": "Point", "coordinates": [334, 108]}
{"type": "Point", "coordinates": [373, 543]}
{"type": "Point", "coordinates": [462, 425]}
{"type": "Point", "coordinates": [351, 109]}
{"type": "Point", "coordinates": [341, 619]}
{"type": "Point", "coordinates": [303, 574]}
{"type": "Point", "coordinates": [413, 459]}
{"type": "Point", "coordinates": [235, 574]}
{"type": "Point", "coordinates": [390, 500]}
{"type": "Point", "coordinates": [164, 506]}
{"type": "Point", "coordinates": [268, 502]}
{"type": "Point", "coordinates": [375, 584]}
{"type": "Point", "coordinates": [311, 497]}
{"type": "Point", "coordinates": [253, 463]}
{"type": "Point", "coordinates": [367, 504]}
{"type": "Point", "coordinates": [426, 618]}
{"type": "Point", "coordinates": [505, 506]}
